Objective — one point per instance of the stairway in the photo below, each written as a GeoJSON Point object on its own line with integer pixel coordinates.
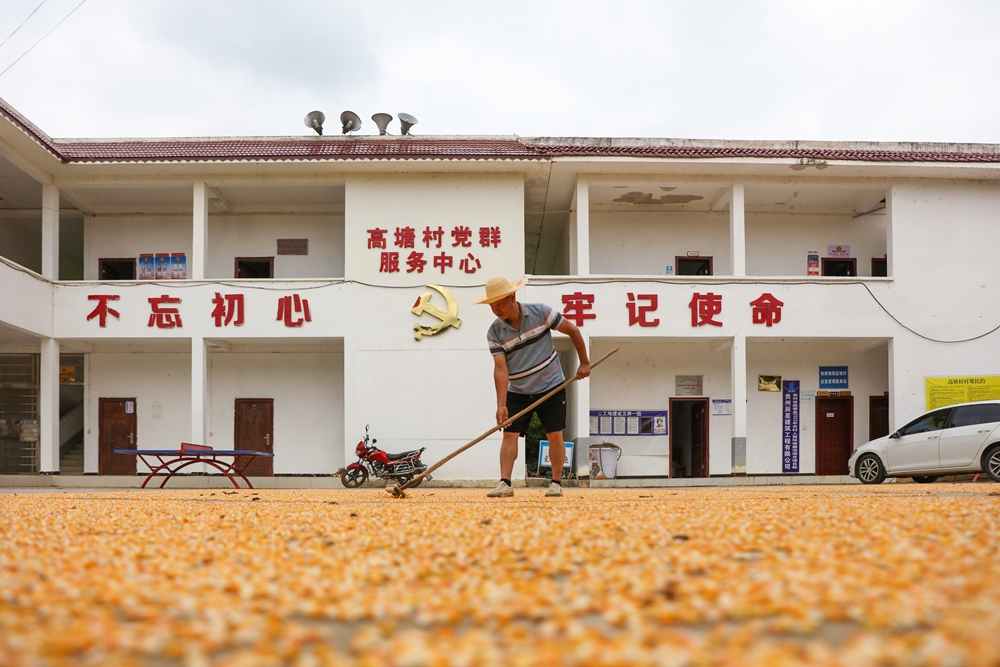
{"type": "Point", "coordinates": [71, 463]}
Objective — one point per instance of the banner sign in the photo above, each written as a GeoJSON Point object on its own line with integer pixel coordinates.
{"type": "Point", "coordinates": [833, 377]}
{"type": "Point", "coordinates": [790, 426]}
{"type": "Point", "coordinates": [961, 389]}
{"type": "Point", "coordinates": [628, 422]}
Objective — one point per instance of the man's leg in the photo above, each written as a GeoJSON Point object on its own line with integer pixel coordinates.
{"type": "Point", "coordinates": [557, 454]}
{"type": "Point", "coordinates": [508, 453]}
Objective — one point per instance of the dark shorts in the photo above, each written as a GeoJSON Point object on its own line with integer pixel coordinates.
{"type": "Point", "coordinates": [552, 412]}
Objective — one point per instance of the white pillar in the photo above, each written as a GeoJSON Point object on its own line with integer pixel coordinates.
{"type": "Point", "coordinates": [199, 245]}
{"type": "Point", "coordinates": [50, 232]}
{"type": "Point", "coordinates": [48, 407]}
{"type": "Point", "coordinates": [199, 391]}
{"type": "Point", "coordinates": [889, 254]}
{"type": "Point", "coordinates": [582, 228]}
{"type": "Point", "coordinates": [737, 231]}
{"type": "Point", "coordinates": [739, 392]}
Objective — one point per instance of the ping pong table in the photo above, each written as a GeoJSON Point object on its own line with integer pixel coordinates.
{"type": "Point", "coordinates": [175, 460]}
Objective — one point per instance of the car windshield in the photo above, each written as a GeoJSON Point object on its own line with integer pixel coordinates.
{"type": "Point", "coordinates": [934, 421]}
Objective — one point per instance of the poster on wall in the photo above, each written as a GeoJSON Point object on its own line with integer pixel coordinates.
{"type": "Point", "coordinates": [163, 267]}
{"type": "Point", "coordinates": [944, 391]}
{"type": "Point", "coordinates": [790, 426]}
{"type": "Point", "coordinates": [178, 266]}
{"type": "Point", "coordinates": [812, 263]}
{"type": "Point", "coordinates": [147, 270]}
{"type": "Point", "coordinates": [722, 407]}
{"type": "Point", "coordinates": [628, 422]}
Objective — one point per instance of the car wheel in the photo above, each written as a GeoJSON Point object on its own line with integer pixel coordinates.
{"type": "Point", "coordinates": [925, 479]}
{"type": "Point", "coordinates": [991, 462]}
{"type": "Point", "coordinates": [870, 470]}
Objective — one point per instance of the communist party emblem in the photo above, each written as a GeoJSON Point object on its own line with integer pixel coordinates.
{"type": "Point", "coordinates": [446, 318]}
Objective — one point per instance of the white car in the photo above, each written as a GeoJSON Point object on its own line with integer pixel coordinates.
{"type": "Point", "coordinates": [962, 438]}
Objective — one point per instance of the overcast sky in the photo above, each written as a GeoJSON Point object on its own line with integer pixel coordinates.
{"type": "Point", "coordinates": [839, 70]}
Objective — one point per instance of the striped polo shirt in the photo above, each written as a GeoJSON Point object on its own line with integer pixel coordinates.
{"type": "Point", "coordinates": [532, 363]}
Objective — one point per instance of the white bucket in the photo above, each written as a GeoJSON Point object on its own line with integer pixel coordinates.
{"type": "Point", "coordinates": [604, 460]}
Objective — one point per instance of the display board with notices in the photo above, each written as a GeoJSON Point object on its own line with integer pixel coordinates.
{"type": "Point", "coordinates": [628, 422]}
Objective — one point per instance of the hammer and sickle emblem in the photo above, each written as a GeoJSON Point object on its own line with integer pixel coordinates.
{"type": "Point", "coordinates": [447, 319]}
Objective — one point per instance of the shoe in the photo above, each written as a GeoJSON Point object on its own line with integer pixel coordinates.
{"type": "Point", "coordinates": [502, 491]}
{"type": "Point", "coordinates": [555, 490]}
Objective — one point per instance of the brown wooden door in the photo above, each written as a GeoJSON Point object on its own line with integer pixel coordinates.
{"type": "Point", "coordinates": [255, 430]}
{"type": "Point", "coordinates": [834, 434]}
{"type": "Point", "coordinates": [878, 417]}
{"type": "Point", "coordinates": [699, 438]}
{"type": "Point", "coordinates": [116, 430]}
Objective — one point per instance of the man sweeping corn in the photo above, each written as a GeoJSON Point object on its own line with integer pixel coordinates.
{"type": "Point", "coordinates": [526, 367]}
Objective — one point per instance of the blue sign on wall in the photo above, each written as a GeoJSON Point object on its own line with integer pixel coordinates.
{"type": "Point", "coordinates": [833, 377]}
{"type": "Point", "coordinates": [790, 426]}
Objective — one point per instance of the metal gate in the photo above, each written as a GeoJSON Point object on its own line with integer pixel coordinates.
{"type": "Point", "coordinates": [19, 391]}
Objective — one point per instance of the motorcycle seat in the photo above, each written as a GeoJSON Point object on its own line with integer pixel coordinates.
{"type": "Point", "coordinates": [403, 455]}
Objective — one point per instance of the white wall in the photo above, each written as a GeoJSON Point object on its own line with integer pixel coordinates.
{"type": "Point", "coordinates": [25, 301]}
{"type": "Point", "coordinates": [778, 243]}
{"type": "Point", "coordinates": [868, 375]}
{"type": "Point", "coordinates": [641, 376]}
{"type": "Point", "coordinates": [643, 244]}
{"type": "Point", "coordinates": [232, 236]}
{"type": "Point", "coordinates": [161, 384]}
{"type": "Point", "coordinates": [130, 236]}
{"type": "Point", "coordinates": [308, 393]}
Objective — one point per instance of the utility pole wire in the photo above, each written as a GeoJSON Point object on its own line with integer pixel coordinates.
{"type": "Point", "coordinates": [23, 22]}
{"type": "Point", "coordinates": [43, 37]}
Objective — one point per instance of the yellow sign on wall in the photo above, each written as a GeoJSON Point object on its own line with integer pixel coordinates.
{"type": "Point", "coordinates": [962, 389]}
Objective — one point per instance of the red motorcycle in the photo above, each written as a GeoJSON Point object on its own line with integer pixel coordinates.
{"type": "Point", "coordinates": [400, 467]}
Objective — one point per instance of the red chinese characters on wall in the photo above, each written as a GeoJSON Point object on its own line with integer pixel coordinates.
{"type": "Point", "coordinates": [293, 310]}
{"type": "Point", "coordinates": [461, 236]}
{"type": "Point", "coordinates": [576, 307]}
{"type": "Point", "coordinates": [704, 308]}
{"type": "Point", "coordinates": [164, 316]}
{"type": "Point", "coordinates": [229, 307]}
{"type": "Point", "coordinates": [638, 313]}
{"type": "Point", "coordinates": [102, 310]}
{"type": "Point", "coordinates": [766, 309]}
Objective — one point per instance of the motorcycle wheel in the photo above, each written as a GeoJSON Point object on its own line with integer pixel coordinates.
{"type": "Point", "coordinates": [406, 480]}
{"type": "Point", "coordinates": [352, 478]}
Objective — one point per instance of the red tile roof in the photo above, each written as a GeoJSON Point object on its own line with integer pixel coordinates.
{"type": "Point", "coordinates": [425, 148]}
{"type": "Point", "coordinates": [317, 148]}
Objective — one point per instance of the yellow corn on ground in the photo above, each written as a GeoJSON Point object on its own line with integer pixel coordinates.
{"type": "Point", "coordinates": [849, 576]}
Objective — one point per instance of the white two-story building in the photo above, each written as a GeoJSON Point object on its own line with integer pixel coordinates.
{"type": "Point", "coordinates": [774, 303]}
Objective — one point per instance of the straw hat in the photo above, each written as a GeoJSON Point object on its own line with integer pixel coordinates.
{"type": "Point", "coordinates": [498, 287]}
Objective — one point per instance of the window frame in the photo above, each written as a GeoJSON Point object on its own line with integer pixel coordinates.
{"type": "Point", "coordinates": [686, 258]}
{"type": "Point", "coordinates": [853, 261]}
{"type": "Point", "coordinates": [269, 260]}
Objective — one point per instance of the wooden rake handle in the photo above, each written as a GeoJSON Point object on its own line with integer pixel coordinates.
{"type": "Point", "coordinates": [510, 420]}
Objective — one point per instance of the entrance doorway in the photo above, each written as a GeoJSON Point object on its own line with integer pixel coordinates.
{"type": "Point", "coordinates": [116, 430]}
{"type": "Point", "coordinates": [255, 430]}
{"type": "Point", "coordinates": [878, 417]}
{"type": "Point", "coordinates": [688, 437]}
{"type": "Point", "coordinates": [834, 434]}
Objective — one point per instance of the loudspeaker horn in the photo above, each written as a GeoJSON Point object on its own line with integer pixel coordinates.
{"type": "Point", "coordinates": [314, 120]}
{"type": "Point", "coordinates": [406, 121]}
{"type": "Point", "coordinates": [351, 121]}
{"type": "Point", "coordinates": [382, 120]}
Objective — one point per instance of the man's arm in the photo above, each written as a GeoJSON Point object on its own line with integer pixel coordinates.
{"type": "Point", "coordinates": [574, 334]}
{"type": "Point", "coordinates": [500, 379]}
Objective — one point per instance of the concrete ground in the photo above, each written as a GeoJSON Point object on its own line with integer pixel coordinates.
{"type": "Point", "coordinates": [829, 575]}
